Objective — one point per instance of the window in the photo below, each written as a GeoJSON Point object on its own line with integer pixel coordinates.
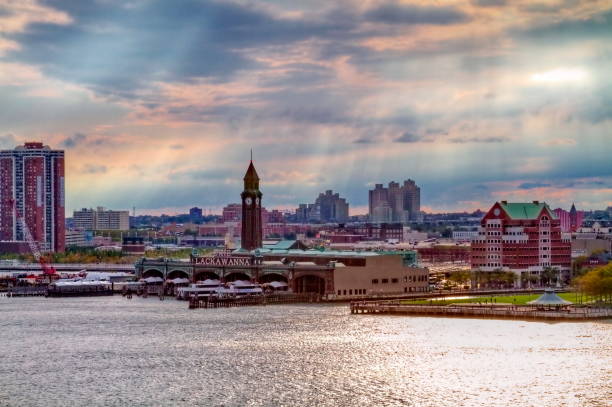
{"type": "Point", "coordinates": [385, 280]}
{"type": "Point", "coordinates": [339, 292]}
{"type": "Point", "coordinates": [394, 280]}
{"type": "Point", "coordinates": [375, 281]}
{"type": "Point", "coordinates": [350, 292]}
{"type": "Point", "coordinates": [344, 292]}
{"type": "Point", "coordinates": [405, 279]}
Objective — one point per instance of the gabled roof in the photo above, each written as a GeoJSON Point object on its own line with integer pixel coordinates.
{"type": "Point", "coordinates": [526, 210]}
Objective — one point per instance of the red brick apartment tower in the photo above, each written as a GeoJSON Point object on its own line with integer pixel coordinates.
{"type": "Point", "coordinates": [524, 238]}
{"type": "Point", "coordinates": [7, 219]}
{"type": "Point", "coordinates": [251, 237]}
{"type": "Point", "coordinates": [33, 176]}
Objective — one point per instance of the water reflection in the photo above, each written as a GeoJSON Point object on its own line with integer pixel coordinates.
{"type": "Point", "coordinates": [110, 351]}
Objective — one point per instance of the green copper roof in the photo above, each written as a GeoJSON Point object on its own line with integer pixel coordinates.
{"type": "Point", "coordinates": [525, 210]}
{"type": "Point", "coordinates": [281, 245]}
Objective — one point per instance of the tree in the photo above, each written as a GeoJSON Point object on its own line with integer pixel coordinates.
{"type": "Point", "coordinates": [460, 277]}
{"type": "Point", "coordinates": [549, 276]}
{"type": "Point", "coordinates": [597, 283]}
{"type": "Point", "coordinates": [578, 266]}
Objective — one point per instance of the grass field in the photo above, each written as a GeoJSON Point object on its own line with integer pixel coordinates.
{"type": "Point", "coordinates": [519, 299]}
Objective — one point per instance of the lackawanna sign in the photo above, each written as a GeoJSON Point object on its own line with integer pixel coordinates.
{"type": "Point", "coordinates": [222, 261]}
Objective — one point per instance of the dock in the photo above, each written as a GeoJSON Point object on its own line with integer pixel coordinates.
{"type": "Point", "coordinates": [493, 311]}
{"type": "Point", "coordinates": [40, 291]}
{"type": "Point", "coordinates": [215, 302]}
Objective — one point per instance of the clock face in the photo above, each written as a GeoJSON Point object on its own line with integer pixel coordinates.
{"type": "Point", "coordinates": [257, 201]}
{"type": "Point", "coordinates": [248, 201]}
{"type": "Point", "coordinates": [496, 212]}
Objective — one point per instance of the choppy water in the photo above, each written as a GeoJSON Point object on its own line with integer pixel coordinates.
{"type": "Point", "coordinates": [114, 352]}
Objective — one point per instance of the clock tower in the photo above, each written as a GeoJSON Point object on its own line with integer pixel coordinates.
{"type": "Point", "coordinates": [251, 210]}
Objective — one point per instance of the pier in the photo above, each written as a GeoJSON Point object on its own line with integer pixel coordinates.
{"type": "Point", "coordinates": [26, 291]}
{"type": "Point", "coordinates": [496, 311]}
{"type": "Point", "coordinates": [215, 302]}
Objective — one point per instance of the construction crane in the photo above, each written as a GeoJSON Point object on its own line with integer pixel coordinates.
{"type": "Point", "coordinates": [48, 272]}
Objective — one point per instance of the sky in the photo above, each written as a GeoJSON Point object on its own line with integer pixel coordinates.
{"type": "Point", "coordinates": [158, 103]}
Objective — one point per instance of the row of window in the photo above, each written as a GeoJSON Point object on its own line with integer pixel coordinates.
{"type": "Point", "coordinates": [358, 291]}
{"type": "Point", "coordinates": [406, 279]}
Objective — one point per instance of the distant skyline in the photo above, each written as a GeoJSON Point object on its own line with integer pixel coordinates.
{"type": "Point", "coordinates": [157, 104]}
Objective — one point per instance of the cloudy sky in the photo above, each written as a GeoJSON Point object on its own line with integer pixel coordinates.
{"type": "Point", "coordinates": [157, 103]}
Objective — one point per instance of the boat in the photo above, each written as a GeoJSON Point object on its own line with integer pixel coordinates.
{"type": "Point", "coordinates": [200, 289]}
{"type": "Point", "coordinates": [241, 288]}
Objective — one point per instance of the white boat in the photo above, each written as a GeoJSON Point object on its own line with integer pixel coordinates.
{"type": "Point", "coordinates": [241, 288]}
{"type": "Point", "coordinates": [200, 289]}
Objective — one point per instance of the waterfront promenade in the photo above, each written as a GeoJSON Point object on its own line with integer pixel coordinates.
{"type": "Point", "coordinates": [502, 311]}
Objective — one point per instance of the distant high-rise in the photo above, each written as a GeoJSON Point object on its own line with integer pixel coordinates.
{"type": "Point", "coordinates": [195, 213]}
{"type": "Point", "coordinates": [101, 219]}
{"type": "Point", "coordinates": [32, 176]}
{"type": "Point", "coordinates": [395, 203]}
{"type": "Point", "coordinates": [328, 207]}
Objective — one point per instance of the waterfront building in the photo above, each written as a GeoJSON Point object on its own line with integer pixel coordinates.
{"type": "Point", "coordinates": [101, 219]}
{"type": "Point", "coordinates": [334, 274]}
{"type": "Point", "coordinates": [524, 238]}
{"type": "Point", "coordinates": [328, 207]}
{"type": "Point", "coordinates": [32, 176]}
{"type": "Point", "coordinates": [395, 203]}
{"type": "Point", "coordinates": [251, 232]}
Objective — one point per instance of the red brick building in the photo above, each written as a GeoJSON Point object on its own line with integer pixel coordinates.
{"type": "Point", "coordinates": [32, 176]}
{"type": "Point", "coordinates": [524, 238]}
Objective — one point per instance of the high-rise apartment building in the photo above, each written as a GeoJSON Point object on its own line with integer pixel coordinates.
{"type": "Point", "coordinates": [328, 207]}
{"type": "Point", "coordinates": [32, 177]}
{"type": "Point", "coordinates": [524, 238]}
{"type": "Point", "coordinates": [395, 203]}
{"type": "Point", "coordinates": [101, 219]}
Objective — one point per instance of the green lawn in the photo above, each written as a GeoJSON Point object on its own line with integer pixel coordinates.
{"type": "Point", "coordinates": [519, 299]}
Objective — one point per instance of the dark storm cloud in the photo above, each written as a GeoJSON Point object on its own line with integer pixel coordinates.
{"type": "Point", "coordinates": [363, 140]}
{"type": "Point", "coordinates": [115, 48]}
{"type": "Point", "coordinates": [73, 141]}
{"type": "Point", "coordinates": [461, 140]}
{"type": "Point", "coordinates": [408, 138]}
{"type": "Point", "coordinates": [395, 13]}
{"type": "Point", "coordinates": [597, 26]}
{"type": "Point", "coordinates": [490, 3]}
{"type": "Point", "coordinates": [532, 185]}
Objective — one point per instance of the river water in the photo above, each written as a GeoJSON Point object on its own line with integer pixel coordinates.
{"type": "Point", "coordinates": [110, 351]}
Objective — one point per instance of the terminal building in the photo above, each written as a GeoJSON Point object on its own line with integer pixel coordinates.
{"type": "Point", "coordinates": [333, 274]}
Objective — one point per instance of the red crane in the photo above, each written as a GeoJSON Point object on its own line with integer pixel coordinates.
{"type": "Point", "coordinates": [48, 272]}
